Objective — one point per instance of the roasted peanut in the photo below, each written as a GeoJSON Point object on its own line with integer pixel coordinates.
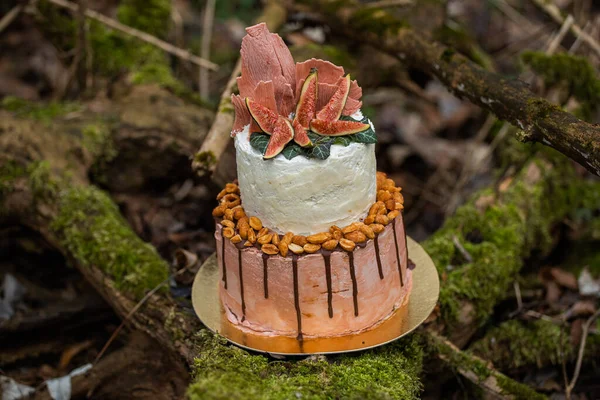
{"type": "Point", "coordinates": [269, 249]}
{"type": "Point", "coordinates": [219, 210]}
{"type": "Point", "coordinates": [369, 220]}
{"type": "Point", "coordinates": [228, 232]}
{"type": "Point", "coordinates": [238, 213]}
{"type": "Point", "coordinates": [236, 239]}
{"type": "Point", "coordinates": [296, 249]}
{"type": "Point", "coordinates": [356, 236]}
{"type": "Point", "coordinates": [336, 232]}
{"type": "Point", "coordinates": [330, 244]}
{"type": "Point", "coordinates": [383, 195]}
{"type": "Point", "coordinates": [311, 248]}
{"type": "Point", "coordinates": [228, 215]}
{"type": "Point", "coordinates": [262, 232]}
{"type": "Point", "coordinates": [299, 240]}
{"type": "Point", "coordinates": [382, 219]}
{"type": "Point", "coordinates": [221, 194]}
{"type": "Point", "coordinates": [283, 248]}
{"type": "Point", "coordinates": [367, 231]}
{"type": "Point", "coordinates": [393, 214]}
{"type": "Point", "coordinates": [347, 245]}
{"type": "Point", "coordinates": [232, 188]}
{"type": "Point", "coordinates": [227, 223]}
{"type": "Point", "coordinates": [287, 237]}
{"type": "Point", "coordinates": [256, 223]}
{"type": "Point", "coordinates": [251, 235]}
{"type": "Point", "coordinates": [264, 239]}
{"type": "Point", "coordinates": [377, 228]}
{"type": "Point", "coordinates": [248, 244]}
{"type": "Point", "coordinates": [275, 239]}
{"type": "Point", "coordinates": [318, 238]}
{"type": "Point", "coordinates": [390, 204]}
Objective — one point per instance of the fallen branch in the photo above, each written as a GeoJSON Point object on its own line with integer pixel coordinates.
{"type": "Point", "coordinates": [207, 28]}
{"type": "Point", "coordinates": [10, 16]}
{"type": "Point", "coordinates": [207, 158]}
{"type": "Point", "coordinates": [480, 372]}
{"type": "Point", "coordinates": [509, 99]}
{"type": "Point", "coordinates": [168, 47]}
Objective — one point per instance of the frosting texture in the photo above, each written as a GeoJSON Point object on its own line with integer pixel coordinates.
{"type": "Point", "coordinates": [306, 196]}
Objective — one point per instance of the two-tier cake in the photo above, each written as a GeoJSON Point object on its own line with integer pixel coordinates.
{"type": "Point", "coordinates": [310, 240]}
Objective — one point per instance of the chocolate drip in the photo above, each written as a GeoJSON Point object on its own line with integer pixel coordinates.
{"type": "Point", "coordinates": [297, 295]}
{"type": "Point", "coordinates": [265, 258]}
{"type": "Point", "coordinates": [327, 258]}
{"type": "Point", "coordinates": [223, 259]}
{"type": "Point", "coordinates": [397, 253]}
{"type": "Point", "coordinates": [411, 264]}
{"type": "Point", "coordinates": [241, 284]}
{"type": "Point", "coordinates": [379, 267]}
{"type": "Point", "coordinates": [354, 285]}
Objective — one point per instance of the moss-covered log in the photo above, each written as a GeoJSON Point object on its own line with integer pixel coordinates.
{"type": "Point", "coordinates": [509, 99]}
{"type": "Point", "coordinates": [478, 371]}
{"type": "Point", "coordinates": [500, 228]}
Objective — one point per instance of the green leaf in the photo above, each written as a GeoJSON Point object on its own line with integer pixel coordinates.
{"type": "Point", "coordinates": [292, 150]}
{"type": "Point", "coordinates": [342, 140]}
{"type": "Point", "coordinates": [368, 136]}
{"type": "Point", "coordinates": [260, 141]}
{"type": "Point", "coordinates": [320, 150]}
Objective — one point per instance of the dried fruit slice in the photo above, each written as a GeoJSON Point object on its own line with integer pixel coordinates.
{"type": "Point", "coordinates": [333, 109]}
{"type": "Point", "coordinates": [264, 117]}
{"type": "Point", "coordinates": [282, 134]}
{"type": "Point", "coordinates": [337, 128]}
{"type": "Point", "coordinates": [305, 109]}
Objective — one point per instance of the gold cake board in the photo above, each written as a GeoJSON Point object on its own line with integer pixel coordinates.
{"type": "Point", "coordinates": [423, 297]}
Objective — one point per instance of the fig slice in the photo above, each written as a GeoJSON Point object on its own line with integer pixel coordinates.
{"type": "Point", "coordinates": [333, 109]}
{"type": "Point", "coordinates": [337, 128]}
{"type": "Point", "coordinates": [300, 135]}
{"type": "Point", "coordinates": [264, 117]}
{"type": "Point", "coordinates": [305, 109]}
{"type": "Point", "coordinates": [282, 134]}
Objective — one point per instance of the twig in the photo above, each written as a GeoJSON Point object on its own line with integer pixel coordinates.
{"type": "Point", "coordinates": [584, 335]}
{"type": "Point", "coordinates": [558, 38]}
{"type": "Point", "coordinates": [462, 250]}
{"type": "Point", "coordinates": [218, 137]}
{"type": "Point", "coordinates": [509, 99]}
{"type": "Point", "coordinates": [554, 12]}
{"type": "Point", "coordinates": [207, 28]}
{"type": "Point", "coordinates": [517, 288]}
{"type": "Point", "coordinates": [389, 3]}
{"type": "Point", "coordinates": [137, 307]}
{"type": "Point", "coordinates": [10, 16]}
{"type": "Point", "coordinates": [168, 47]}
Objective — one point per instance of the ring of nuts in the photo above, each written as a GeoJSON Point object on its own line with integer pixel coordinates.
{"type": "Point", "coordinates": [238, 227]}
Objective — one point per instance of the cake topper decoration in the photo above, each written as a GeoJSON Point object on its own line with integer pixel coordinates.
{"type": "Point", "coordinates": [295, 108]}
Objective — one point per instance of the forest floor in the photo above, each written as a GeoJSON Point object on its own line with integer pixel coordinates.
{"type": "Point", "coordinates": [440, 149]}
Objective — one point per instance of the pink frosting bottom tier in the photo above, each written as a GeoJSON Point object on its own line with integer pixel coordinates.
{"type": "Point", "coordinates": [324, 294]}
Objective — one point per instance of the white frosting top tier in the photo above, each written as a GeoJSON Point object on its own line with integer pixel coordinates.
{"type": "Point", "coordinates": [306, 196]}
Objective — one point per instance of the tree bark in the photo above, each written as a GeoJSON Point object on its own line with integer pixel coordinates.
{"type": "Point", "coordinates": [509, 99]}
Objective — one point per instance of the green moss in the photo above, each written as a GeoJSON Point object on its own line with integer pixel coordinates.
{"type": "Point", "coordinates": [9, 171]}
{"type": "Point", "coordinates": [375, 20]}
{"type": "Point", "coordinates": [516, 344]}
{"type": "Point", "coordinates": [457, 36]}
{"type": "Point", "coordinates": [226, 106]}
{"type": "Point", "coordinates": [205, 158]}
{"type": "Point", "coordinates": [151, 16]}
{"type": "Point", "coordinates": [517, 390]}
{"type": "Point", "coordinates": [91, 228]}
{"type": "Point", "coordinates": [44, 112]}
{"type": "Point", "coordinates": [575, 73]}
{"type": "Point", "coordinates": [499, 232]}
{"type": "Point", "coordinates": [98, 141]}
{"type": "Point", "coordinates": [227, 372]}
{"type": "Point", "coordinates": [465, 361]}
